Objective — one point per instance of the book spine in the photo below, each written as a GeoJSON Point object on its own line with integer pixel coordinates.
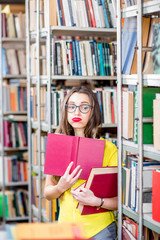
{"type": "Point", "coordinates": [74, 152]}
{"type": "Point", "coordinates": [105, 14]}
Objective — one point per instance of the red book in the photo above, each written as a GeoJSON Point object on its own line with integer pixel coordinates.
{"type": "Point", "coordinates": [156, 195]}
{"type": "Point", "coordinates": [92, 13]}
{"type": "Point", "coordinates": [63, 149]}
{"type": "Point", "coordinates": [103, 183]}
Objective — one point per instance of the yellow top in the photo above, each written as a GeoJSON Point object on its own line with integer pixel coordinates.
{"type": "Point", "coordinates": [93, 223]}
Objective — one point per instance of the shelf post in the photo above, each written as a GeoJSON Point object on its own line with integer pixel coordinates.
{"type": "Point", "coordinates": [140, 114]}
{"type": "Point", "coordinates": [119, 115]}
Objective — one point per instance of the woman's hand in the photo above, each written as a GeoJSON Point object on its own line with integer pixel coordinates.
{"type": "Point", "coordinates": [85, 196]}
{"type": "Point", "coordinates": [67, 180]}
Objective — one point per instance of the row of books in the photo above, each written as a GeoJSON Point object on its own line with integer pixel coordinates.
{"type": "Point", "coordinates": [128, 3]}
{"type": "Point", "coordinates": [34, 152]}
{"type": "Point", "coordinates": [130, 231]}
{"type": "Point", "coordinates": [82, 58]}
{"type": "Point", "coordinates": [130, 183]}
{"type": "Point", "coordinates": [15, 98]}
{"type": "Point", "coordinates": [13, 61]}
{"type": "Point", "coordinates": [150, 32]}
{"type": "Point", "coordinates": [44, 201]}
{"type": "Point", "coordinates": [107, 99]}
{"type": "Point", "coordinates": [15, 134]}
{"type": "Point", "coordinates": [16, 203]}
{"type": "Point", "coordinates": [13, 25]}
{"type": "Point", "coordinates": [88, 13]}
{"type": "Point", "coordinates": [15, 169]}
{"type": "Point", "coordinates": [130, 113]}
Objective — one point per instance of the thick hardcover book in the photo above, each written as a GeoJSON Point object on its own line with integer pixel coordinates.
{"type": "Point", "coordinates": [156, 195]}
{"type": "Point", "coordinates": [103, 183]}
{"type": "Point", "coordinates": [63, 149]}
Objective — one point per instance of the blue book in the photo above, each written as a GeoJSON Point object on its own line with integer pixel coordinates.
{"type": "Point", "coordinates": [4, 63]}
{"type": "Point", "coordinates": [78, 58]}
{"type": "Point", "coordinates": [74, 58]}
{"type": "Point", "coordinates": [60, 12]}
{"type": "Point", "coordinates": [105, 14]}
{"type": "Point", "coordinates": [156, 48]}
{"type": "Point", "coordinates": [101, 59]}
{"type": "Point", "coordinates": [129, 40]}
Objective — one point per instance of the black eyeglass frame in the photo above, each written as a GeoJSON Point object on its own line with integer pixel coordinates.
{"type": "Point", "coordinates": [90, 106]}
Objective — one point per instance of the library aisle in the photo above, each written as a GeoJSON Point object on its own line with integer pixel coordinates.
{"type": "Point", "coordinates": [47, 47]}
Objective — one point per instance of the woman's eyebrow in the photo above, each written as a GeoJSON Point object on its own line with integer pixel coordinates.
{"type": "Point", "coordinates": [84, 102]}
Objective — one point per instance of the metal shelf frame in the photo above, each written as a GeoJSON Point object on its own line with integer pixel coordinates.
{"type": "Point", "coordinates": [140, 80]}
{"type": "Point", "coordinates": [16, 43]}
{"type": "Point", "coordinates": [40, 36]}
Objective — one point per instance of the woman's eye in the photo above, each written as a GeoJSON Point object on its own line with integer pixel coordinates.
{"type": "Point", "coordinates": [85, 107]}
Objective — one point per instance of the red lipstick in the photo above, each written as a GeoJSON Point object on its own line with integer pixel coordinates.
{"type": "Point", "coordinates": [76, 119]}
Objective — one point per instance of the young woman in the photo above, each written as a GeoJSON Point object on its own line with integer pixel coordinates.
{"type": "Point", "coordinates": [81, 117]}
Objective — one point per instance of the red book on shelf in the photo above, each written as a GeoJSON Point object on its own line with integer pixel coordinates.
{"type": "Point", "coordinates": [63, 149]}
{"type": "Point", "coordinates": [103, 183]}
{"type": "Point", "coordinates": [156, 195]}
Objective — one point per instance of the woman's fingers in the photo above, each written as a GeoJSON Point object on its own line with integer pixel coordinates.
{"type": "Point", "coordinates": [75, 171]}
{"type": "Point", "coordinates": [68, 169]}
{"type": "Point", "coordinates": [77, 176]}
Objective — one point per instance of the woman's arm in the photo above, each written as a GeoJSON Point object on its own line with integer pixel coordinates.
{"type": "Point", "coordinates": [87, 197]}
{"type": "Point", "coordinates": [53, 189]}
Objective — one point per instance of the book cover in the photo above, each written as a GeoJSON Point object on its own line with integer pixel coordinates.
{"type": "Point", "coordinates": [156, 48]}
{"type": "Point", "coordinates": [129, 39]}
{"type": "Point", "coordinates": [103, 183]}
{"type": "Point", "coordinates": [156, 195]}
{"type": "Point", "coordinates": [156, 125]}
{"type": "Point", "coordinates": [62, 149]}
{"type": "Point", "coordinates": [149, 94]}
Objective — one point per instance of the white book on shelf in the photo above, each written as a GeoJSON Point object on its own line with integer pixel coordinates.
{"type": "Point", "coordinates": [101, 13]}
{"type": "Point", "coordinates": [84, 12]}
{"type": "Point", "coordinates": [83, 60]}
{"type": "Point", "coordinates": [66, 13]}
{"type": "Point", "coordinates": [64, 58]}
{"type": "Point", "coordinates": [96, 13]}
{"type": "Point", "coordinates": [88, 56]}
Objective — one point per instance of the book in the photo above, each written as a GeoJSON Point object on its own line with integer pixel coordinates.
{"type": "Point", "coordinates": [50, 231]}
{"type": "Point", "coordinates": [103, 183]}
{"type": "Point", "coordinates": [129, 39]}
{"type": "Point", "coordinates": [156, 48]}
{"type": "Point", "coordinates": [156, 125]}
{"type": "Point", "coordinates": [149, 94]}
{"type": "Point", "coordinates": [62, 149]}
{"type": "Point", "coordinates": [156, 195]}
{"type": "Point", "coordinates": [146, 21]}
{"type": "Point", "coordinates": [127, 113]}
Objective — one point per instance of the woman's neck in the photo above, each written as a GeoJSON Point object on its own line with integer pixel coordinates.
{"type": "Point", "coordinates": [79, 132]}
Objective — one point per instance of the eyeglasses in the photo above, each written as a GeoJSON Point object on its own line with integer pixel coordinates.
{"type": "Point", "coordinates": [84, 108]}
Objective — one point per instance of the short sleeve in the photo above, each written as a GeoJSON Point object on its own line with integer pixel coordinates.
{"type": "Point", "coordinates": [110, 154]}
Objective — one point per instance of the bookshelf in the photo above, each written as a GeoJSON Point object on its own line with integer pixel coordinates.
{"type": "Point", "coordinates": [48, 36]}
{"type": "Point", "coordinates": [13, 118]}
{"type": "Point", "coordinates": [141, 9]}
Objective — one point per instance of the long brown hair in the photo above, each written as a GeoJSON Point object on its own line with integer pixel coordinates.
{"type": "Point", "coordinates": [91, 128]}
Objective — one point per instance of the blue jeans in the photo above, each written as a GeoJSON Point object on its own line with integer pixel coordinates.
{"type": "Point", "coordinates": [108, 233]}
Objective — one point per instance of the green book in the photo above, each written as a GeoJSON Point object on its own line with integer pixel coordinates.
{"type": "Point", "coordinates": [149, 94]}
{"type": "Point", "coordinates": [1, 206]}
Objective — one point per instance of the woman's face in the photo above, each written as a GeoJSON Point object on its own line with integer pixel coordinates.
{"type": "Point", "coordinates": [77, 119]}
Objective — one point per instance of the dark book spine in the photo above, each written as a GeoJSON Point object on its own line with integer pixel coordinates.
{"type": "Point", "coordinates": [96, 57]}
{"type": "Point", "coordinates": [63, 18]}
{"type": "Point", "coordinates": [78, 58]}
{"type": "Point", "coordinates": [60, 12]}
{"type": "Point", "coordinates": [74, 58]}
